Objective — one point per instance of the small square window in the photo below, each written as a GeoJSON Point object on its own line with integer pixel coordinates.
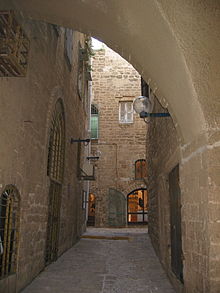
{"type": "Point", "coordinates": [125, 112]}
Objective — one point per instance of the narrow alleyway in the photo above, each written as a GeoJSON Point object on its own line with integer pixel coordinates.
{"type": "Point", "coordinates": [105, 261]}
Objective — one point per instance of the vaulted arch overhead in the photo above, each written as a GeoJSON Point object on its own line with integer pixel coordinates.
{"type": "Point", "coordinates": [158, 38]}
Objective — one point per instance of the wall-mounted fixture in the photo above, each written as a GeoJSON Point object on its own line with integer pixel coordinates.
{"type": "Point", "coordinates": [85, 141]}
{"type": "Point", "coordinates": [85, 170]}
{"type": "Point", "coordinates": [144, 107]}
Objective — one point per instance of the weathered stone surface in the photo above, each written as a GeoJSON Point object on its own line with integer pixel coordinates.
{"type": "Point", "coordinates": [27, 105]}
{"type": "Point", "coordinates": [119, 144]}
{"type": "Point", "coordinates": [164, 152]}
{"type": "Point", "coordinates": [106, 265]}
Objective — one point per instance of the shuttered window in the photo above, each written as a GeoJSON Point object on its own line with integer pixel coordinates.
{"type": "Point", "coordinates": [140, 169]}
{"type": "Point", "coordinates": [126, 112]}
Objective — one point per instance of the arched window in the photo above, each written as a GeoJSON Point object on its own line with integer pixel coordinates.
{"type": "Point", "coordinates": [140, 169]}
{"type": "Point", "coordinates": [55, 171]}
{"type": "Point", "coordinates": [56, 149]}
{"type": "Point", "coordinates": [9, 222]}
{"type": "Point", "coordinates": [137, 207]}
{"type": "Point", "coordinates": [94, 121]}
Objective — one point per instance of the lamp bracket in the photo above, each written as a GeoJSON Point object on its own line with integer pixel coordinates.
{"type": "Point", "coordinates": [87, 140]}
{"type": "Point", "coordinates": [145, 114]}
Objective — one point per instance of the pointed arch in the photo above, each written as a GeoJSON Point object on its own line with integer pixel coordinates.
{"type": "Point", "coordinates": [55, 172]}
{"type": "Point", "coordinates": [137, 206]}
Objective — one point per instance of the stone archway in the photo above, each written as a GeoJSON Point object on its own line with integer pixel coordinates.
{"type": "Point", "coordinates": [155, 41]}
{"type": "Point", "coordinates": [175, 47]}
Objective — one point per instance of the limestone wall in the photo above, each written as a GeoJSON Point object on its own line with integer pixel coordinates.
{"type": "Point", "coordinates": [26, 105]}
{"type": "Point", "coordinates": [119, 144]}
{"type": "Point", "coordinates": [199, 183]}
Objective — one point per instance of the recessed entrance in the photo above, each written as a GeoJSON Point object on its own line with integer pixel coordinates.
{"type": "Point", "coordinates": [55, 171]}
{"type": "Point", "coordinates": [137, 207]}
{"type": "Point", "coordinates": [91, 210]}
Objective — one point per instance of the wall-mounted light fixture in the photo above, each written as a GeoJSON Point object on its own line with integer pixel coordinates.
{"type": "Point", "coordinates": [85, 141]}
{"type": "Point", "coordinates": [85, 170]}
{"type": "Point", "coordinates": [144, 107]}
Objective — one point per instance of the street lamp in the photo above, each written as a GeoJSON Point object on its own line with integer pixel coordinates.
{"type": "Point", "coordinates": [144, 107]}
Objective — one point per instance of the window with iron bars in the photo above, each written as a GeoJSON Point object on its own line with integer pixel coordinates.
{"type": "Point", "coordinates": [55, 171]}
{"type": "Point", "coordinates": [56, 149]}
{"type": "Point", "coordinates": [9, 230]}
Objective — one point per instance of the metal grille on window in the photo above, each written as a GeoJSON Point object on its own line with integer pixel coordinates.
{"type": "Point", "coordinates": [140, 169]}
{"type": "Point", "coordinates": [137, 207]}
{"type": "Point", "coordinates": [55, 170]}
{"type": "Point", "coordinates": [9, 222]}
{"type": "Point", "coordinates": [94, 121]}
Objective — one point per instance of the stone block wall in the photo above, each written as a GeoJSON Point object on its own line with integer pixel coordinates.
{"type": "Point", "coordinates": [119, 145]}
{"type": "Point", "coordinates": [26, 105]}
{"type": "Point", "coordinates": [198, 161]}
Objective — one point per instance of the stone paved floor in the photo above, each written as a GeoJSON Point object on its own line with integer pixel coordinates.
{"type": "Point", "coordinates": [105, 266]}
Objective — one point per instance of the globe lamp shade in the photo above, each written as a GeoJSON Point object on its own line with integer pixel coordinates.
{"type": "Point", "coordinates": [142, 104]}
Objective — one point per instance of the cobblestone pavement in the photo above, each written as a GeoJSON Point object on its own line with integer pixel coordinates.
{"type": "Point", "coordinates": [122, 262]}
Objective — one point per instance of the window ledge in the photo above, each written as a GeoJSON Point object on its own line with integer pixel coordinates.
{"type": "Point", "coordinates": [126, 123]}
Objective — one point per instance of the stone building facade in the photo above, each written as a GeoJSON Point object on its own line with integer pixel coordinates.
{"type": "Point", "coordinates": [39, 186]}
{"type": "Point", "coordinates": [120, 139]}
{"type": "Point", "coordinates": [178, 209]}
{"type": "Point", "coordinates": [175, 47]}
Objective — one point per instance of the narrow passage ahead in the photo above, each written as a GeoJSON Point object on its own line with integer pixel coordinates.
{"type": "Point", "coordinates": [105, 261]}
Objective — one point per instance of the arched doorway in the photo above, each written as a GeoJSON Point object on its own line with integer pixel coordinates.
{"type": "Point", "coordinates": [91, 210]}
{"type": "Point", "coordinates": [137, 207]}
{"type": "Point", "coordinates": [55, 171]}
